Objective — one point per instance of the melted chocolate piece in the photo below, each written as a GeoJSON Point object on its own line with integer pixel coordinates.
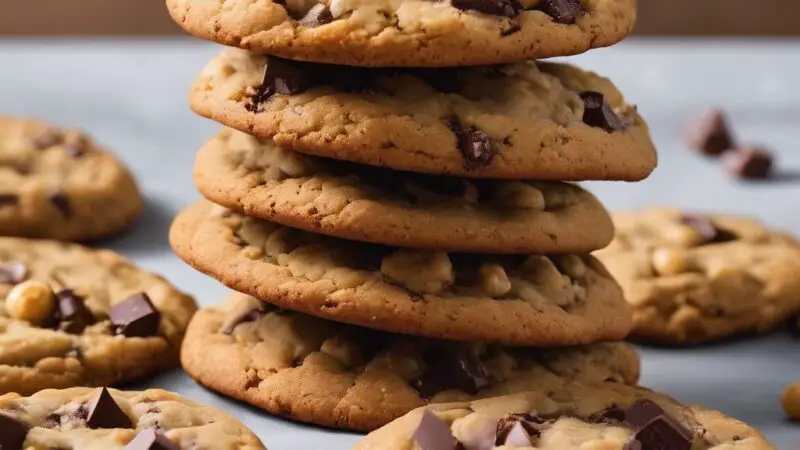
{"type": "Point", "coordinates": [599, 114]}
{"type": "Point", "coordinates": [72, 314]}
{"type": "Point", "coordinates": [505, 8]}
{"type": "Point", "coordinates": [643, 412]}
{"type": "Point", "coordinates": [446, 371]}
{"type": "Point", "coordinates": [249, 316]}
{"type": "Point", "coordinates": [283, 76]}
{"type": "Point", "coordinates": [477, 148]}
{"type": "Point", "coordinates": [103, 412]}
{"type": "Point", "coordinates": [561, 11]}
{"type": "Point", "coordinates": [433, 433]}
{"type": "Point", "coordinates": [135, 317]}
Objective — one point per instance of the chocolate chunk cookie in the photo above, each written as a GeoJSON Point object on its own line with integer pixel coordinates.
{"type": "Point", "coordinates": [512, 299]}
{"type": "Point", "coordinates": [574, 417]}
{"type": "Point", "coordinates": [107, 419]}
{"type": "Point", "coordinates": [409, 32]}
{"type": "Point", "coordinates": [345, 376]}
{"type": "Point", "coordinates": [58, 184]}
{"type": "Point", "coordinates": [377, 205]}
{"type": "Point", "coordinates": [71, 316]}
{"type": "Point", "coordinates": [541, 121]}
{"type": "Point", "coordinates": [694, 278]}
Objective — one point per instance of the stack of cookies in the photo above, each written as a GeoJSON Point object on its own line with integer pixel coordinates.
{"type": "Point", "coordinates": [391, 200]}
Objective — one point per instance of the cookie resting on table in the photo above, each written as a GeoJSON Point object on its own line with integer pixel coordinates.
{"type": "Point", "coordinates": [692, 278]}
{"type": "Point", "coordinates": [344, 376]}
{"type": "Point", "coordinates": [72, 316]}
{"type": "Point", "coordinates": [57, 183]}
{"type": "Point", "coordinates": [542, 121]}
{"type": "Point", "coordinates": [528, 300]}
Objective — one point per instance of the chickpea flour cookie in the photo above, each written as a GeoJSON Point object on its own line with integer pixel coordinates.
{"type": "Point", "coordinates": [58, 184]}
{"type": "Point", "coordinates": [414, 33]}
{"type": "Point", "coordinates": [612, 417]}
{"type": "Point", "coordinates": [344, 376]}
{"type": "Point", "coordinates": [71, 316]}
{"type": "Point", "coordinates": [693, 278]}
{"type": "Point", "coordinates": [377, 205]}
{"type": "Point", "coordinates": [511, 299]}
{"type": "Point", "coordinates": [541, 121]}
{"type": "Point", "coordinates": [108, 419]}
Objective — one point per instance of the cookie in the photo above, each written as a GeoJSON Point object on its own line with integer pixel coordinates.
{"type": "Point", "coordinates": [405, 209]}
{"type": "Point", "coordinates": [344, 376]}
{"type": "Point", "coordinates": [72, 316]}
{"type": "Point", "coordinates": [56, 183]}
{"type": "Point", "coordinates": [416, 33]}
{"type": "Point", "coordinates": [512, 299]}
{"type": "Point", "coordinates": [612, 417]}
{"type": "Point", "coordinates": [107, 419]}
{"type": "Point", "coordinates": [694, 278]}
{"type": "Point", "coordinates": [542, 121]}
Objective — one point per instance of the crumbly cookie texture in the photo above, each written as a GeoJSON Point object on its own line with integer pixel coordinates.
{"type": "Point", "coordinates": [344, 376]}
{"type": "Point", "coordinates": [415, 33]}
{"type": "Point", "coordinates": [100, 419]}
{"type": "Point", "coordinates": [515, 299]}
{"type": "Point", "coordinates": [541, 121]}
{"type": "Point", "coordinates": [693, 278]}
{"type": "Point", "coordinates": [56, 183]}
{"type": "Point", "coordinates": [72, 316]}
{"type": "Point", "coordinates": [377, 205]}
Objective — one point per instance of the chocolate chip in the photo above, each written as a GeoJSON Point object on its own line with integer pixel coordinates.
{"type": "Point", "coordinates": [752, 163]}
{"type": "Point", "coordinates": [13, 273]}
{"type": "Point", "coordinates": [664, 433]}
{"type": "Point", "coordinates": [47, 139]}
{"type": "Point", "coordinates": [283, 76]}
{"type": "Point", "coordinates": [477, 148]}
{"type": "Point", "coordinates": [643, 412]}
{"type": "Point", "coordinates": [707, 229]}
{"type": "Point", "coordinates": [249, 316]}
{"type": "Point", "coordinates": [135, 317]}
{"type": "Point", "coordinates": [632, 445]}
{"type": "Point", "coordinates": [151, 439]}
{"type": "Point", "coordinates": [506, 8]}
{"type": "Point", "coordinates": [319, 14]}
{"type": "Point", "coordinates": [61, 202]}
{"type": "Point", "coordinates": [516, 436]}
{"type": "Point", "coordinates": [709, 134]}
{"type": "Point", "coordinates": [72, 314]}
{"type": "Point", "coordinates": [103, 412]}
{"type": "Point", "coordinates": [12, 433]}
{"type": "Point", "coordinates": [9, 199]}
{"type": "Point", "coordinates": [433, 433]}
{"type": "Point", "coordinates": [561, 11]}
{"type": "Point", "coordinates": [447, 370]}
{"type": "Point", "coordinates": [597, 113]}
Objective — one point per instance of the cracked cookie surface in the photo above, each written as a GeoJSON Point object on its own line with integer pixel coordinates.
{"type": "Point", "coordinates": [371, 204]}
{"type": "Point", "coordinates": [692, 278]}
{"type": "Point", "coordinates": [415, 33]}
{"type": "Point", "coordinates": [513, 299]}
{"type": "Point", "coordinates": [345, 376]}
{"type": "Point", "coordinates": [57, 183]}
{"type": "Point", "coordinates": [73, 316]}
{"type": "Point", "coordinates": [542, 121]}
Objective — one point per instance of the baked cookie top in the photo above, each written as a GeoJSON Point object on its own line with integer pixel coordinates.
{"type": "Point", "coordinates": [74, 316]}
{"type": "Point", "coordinates": [514, 299]}
{"type": "Point", "coordinates": [543, 121]}
{"type": "Point", "coordinates": [344, 376]}
{"type": "Point", "coordinates": [612, 417]}
{"type": "Point", "coordinates": [57, 183]}
{"type": "Point", "coordinates": [378, 205]}
{"type": "Point", "coordinates": [417, 33]}
{"type": "Point", "coordinates": [108, 419]}
{"type": "Point", "coordinates": [694, 277]}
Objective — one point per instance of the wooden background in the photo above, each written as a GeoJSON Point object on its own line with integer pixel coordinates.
{"type": "Point", "coordinates": [148, 17]}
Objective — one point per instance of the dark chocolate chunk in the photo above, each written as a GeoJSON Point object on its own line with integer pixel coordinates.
{"type": "Point", "coordinates": [516, 436]}
{"type": "Point", "coordinates": [447, 370]}
{"type": "Point", "coordinates": [13, 273]}
{"type": "Point", "coordinates": [513, 28]}
{"type": "Point", "coordinates": [506, 8]}
{"type": "Point", "coordinates": [709, 134]}
{"type": "Point", "coordinates": [249, 316]}
{"type": "Point", "coordinates": [319, 14]}
{"type": "Point", "coordinates": [72, 314]}
{"type": "Point", "coordinates": [135, 317]}
{"type": "Point", "coordinates": [12, 433]}
{"type": "Point", "coordinates": [632, 445]}
{"type": "Point", "coordinates": [47, 139]}
{"type": "Point", "coordinates": [643, 412]}
{"type": "Point", "coordinates": [103, 412]}
{"type": "Point", "coordinates": [283, 76]}
{"type": "Point", "coordinates": [707, 229]}
{"type": "Point", "coordinates": [561, 11]}
{"type": "Point", "coordinates": [477, 148]}
{"type": "Point", "coordinates": [433, 433]}
{"type": "Point", "coordinates": [597, 113]}
{"type": "Point", "coordinates": [151, 439]}
{"type": "Point", "coordinates": [61, 202]}
{"type": "Point", "coordinates": [664, 433]}
{"type": "Point", "coordinates": [9, 199]}
{"type": "Point", "coordinates": [752, 163]}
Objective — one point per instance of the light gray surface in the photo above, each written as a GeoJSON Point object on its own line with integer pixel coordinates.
{"type": "Point", "coordinates": [132, 96]}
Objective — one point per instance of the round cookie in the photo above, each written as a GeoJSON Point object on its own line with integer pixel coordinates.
{"type": "Point", "coordinates": [108, 419]}
{"type": "Point", "coordinates": [344, 376]}
{"type": "Point", "coordinates": [56, 183]}
{"type": "Point", "coordinates": [72, 316]}
{"type": "Point", "coordinates": [692, 278]}
{"type": "Point", "coordinates": [405, 209]}
{"type": "Point", "coordinates": [513, 299]}
{"type": "Point", "coordinates": [611, 417]}
{"type": "Point", "coordinates": [542, 121]}
{"type": "Point", "coordinates": [416, 33]}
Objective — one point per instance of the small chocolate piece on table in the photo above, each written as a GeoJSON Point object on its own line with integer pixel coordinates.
{"type": "Point", "coordinates": [561, 11]}
{"type": "Point", "coordinates": [12, 433]}
{"type": "Point", "coordinates": [71, 312]}
{"type": "Point", "coordinates": [135, 317]}
{"type": "Point", "coordinates": [103, 412]}
{"type": "Point", "coordinates": [433, 433]}
{"type": "Point", "coordinates": [753, 163]}
{"type": "Point", "coordinates": [709, 134]}
{"type": "Point", "coordinates": [151, 439]}
{"type": "Point", "coordinates": [597, 113]}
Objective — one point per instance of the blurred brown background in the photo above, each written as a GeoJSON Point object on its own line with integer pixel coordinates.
{"type": "Point", "coordinates": [149, 17]}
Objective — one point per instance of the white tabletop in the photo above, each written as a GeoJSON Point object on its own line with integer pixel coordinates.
{"type": "Point", "coordinates": [132, 97]}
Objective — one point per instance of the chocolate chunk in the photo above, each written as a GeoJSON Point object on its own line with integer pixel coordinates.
{"type": "Point", "coordinates": [707, 229]}
{"type": "Point", "coordinates": [72, 314]}
{"type": "Point", "coordinates": [151, 439]}
{"type": "Point", "coordinates": [445, 371]}
{"type": "Point", "coordinates": [709, 134]}
{"type": "Point", "coordinates": [664, 433]}
{"type": "Point", "coordinates": [12, 433]}
{"type": "Point", "coordinates": [9, 199]}
{"type": "Point", "coordinates": [135, 317]}
{"type": "Point", "coordinates": [477, 148]}
{"type": "Point", "coordinates": [632, 445]}
{"type": "Point", "coordinates": [61, 202]}
{"type": "Point", "coordinates": [319, 14]}
{"type": "Point", "coordinates": [103, 412]}
{"type": "Point", "coordinates": [283, 76]}
{"type": "Point", "coordinates": [516, 436]}
{"type": "Point", "coordinates": [249, 316]}
{"type": "Point", "coordinates": [49, 138]}
{"type": "Point", "coordinates": [13, 273]}
{"type": "Point", "coordinates": [561, 11]}
{"type": "Point", "coordinates": [597, 113]}
{"type": "Point", "coordinates": [513, 28]}
{"type": "Point", "coordinates": [752, 163]}
{"type": "Point", "coordinates": [433, 433]}
{"type": "Point", "coordinates": [506, 8]}
{"type": "Point", "coordinates": [643, 412]}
